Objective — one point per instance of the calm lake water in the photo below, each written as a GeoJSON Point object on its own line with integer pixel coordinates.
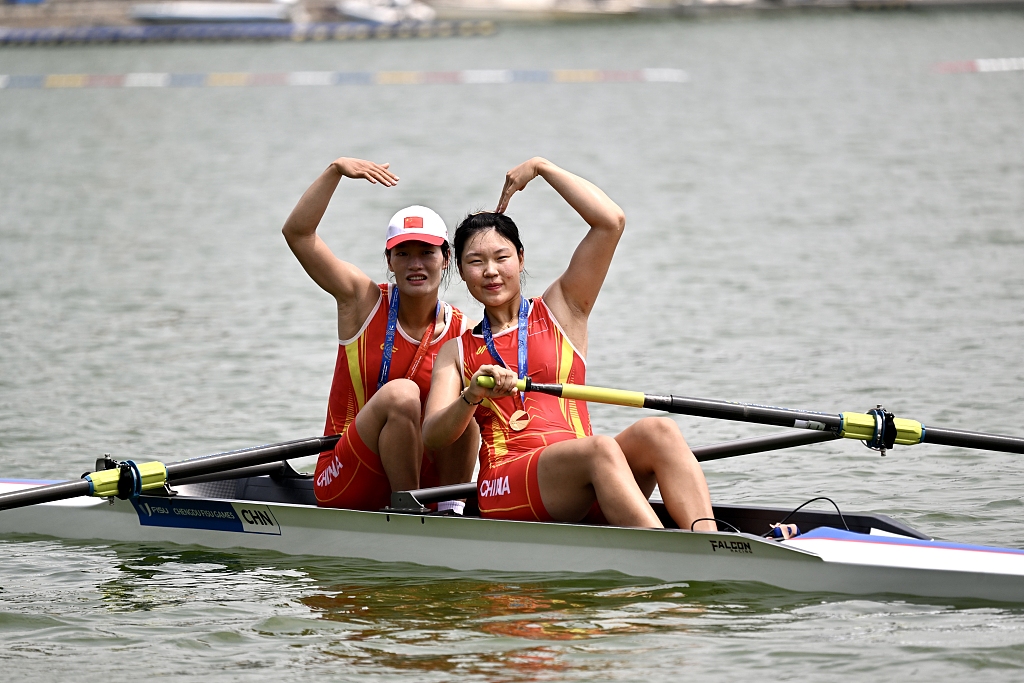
{"type": "Point", "coordinates": [816, 220]}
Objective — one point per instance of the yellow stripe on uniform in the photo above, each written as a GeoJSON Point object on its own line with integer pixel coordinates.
{"type": "Point", "coordinates": [493, 407]}
{"type": "Point", "coordinates": [570, 411]}
{"type": "Point", "coordinates": [498, 436]}
{"type": "Point", "coordinates": [352, 356]}
{"type": "Point", "coordinates": [577, 421]}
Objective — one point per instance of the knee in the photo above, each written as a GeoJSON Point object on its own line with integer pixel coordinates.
{"type": "Point", "coordinates": [401, 398]}
{"type": "Point", "coordinates": [606, 454]}
{"type": "Point", "coordinates": [662, 443]}
{"type": "Point", "coordinates": [661, 431]}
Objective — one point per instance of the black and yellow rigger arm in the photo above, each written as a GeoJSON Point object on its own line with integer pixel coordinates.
{"type": "Point", "coordinates": [880, 429]}
{"type": "Point", "coordinates": [877, 428]}
{"type": "Point", "coordinates": [129, 480]}
{"type": "Point", "coordinates": [126, 479]}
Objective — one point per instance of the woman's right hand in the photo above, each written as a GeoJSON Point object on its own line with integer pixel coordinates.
{"type": "Point", "coordinates": [504, 383]}
{"type": "Point", "coordinates": [517, 179]}
{"type": "Point", "coordinates": [359, 168]}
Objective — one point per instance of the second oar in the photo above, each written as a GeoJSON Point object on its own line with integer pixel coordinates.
{"type": "Point", "coordinates": [878, 428]}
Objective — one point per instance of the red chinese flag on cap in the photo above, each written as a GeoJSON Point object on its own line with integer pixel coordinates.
{"type": "Point", "coordinates": [413, 222]}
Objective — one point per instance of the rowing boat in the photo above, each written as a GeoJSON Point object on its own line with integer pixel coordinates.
{"type": "Point", "coordinates": [252, 498]}
{"type": "Point", "coordinates": [847, 553]}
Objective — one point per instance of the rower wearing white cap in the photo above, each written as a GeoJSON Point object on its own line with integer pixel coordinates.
{"type": "Point", "coordinates": [389, 335]}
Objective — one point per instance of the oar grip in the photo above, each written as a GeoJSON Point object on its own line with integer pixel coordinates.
{"type": "Point", "coordinates": [488, 383]}
{"type": "Point", "coordinates": [578, 392]}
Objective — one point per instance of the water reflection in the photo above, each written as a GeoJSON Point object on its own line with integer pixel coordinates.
{"type": "Point", "coordinates": [158, 579]}
{"type": "Point", "coordinates": [400, 618]}
{"type": "Point", "coordinates": [250, 612]}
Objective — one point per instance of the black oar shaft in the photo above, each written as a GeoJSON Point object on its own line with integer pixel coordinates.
{"type": "Point", "coordinates": [760, 444]}
{"type": "Point", "coordinates": [698, 407]}
{"type": "Point", "coordinates": [956, 437]}
{"type": "Point", "coordinates": [869, 427]}
{"type": "Point", "coordinates": [741, 412]}
{"type": "Point", "coordinates": [416, 500]}
{"type": "Point", "coordinates": [247, 457]}
{"type": "Point", "coordinates": [270, 468]}
{"type": "Point", "coordinates": [44, 494]}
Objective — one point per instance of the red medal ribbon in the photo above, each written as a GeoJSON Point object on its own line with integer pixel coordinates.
{"type": "Point", "coordinates": [421, 350]}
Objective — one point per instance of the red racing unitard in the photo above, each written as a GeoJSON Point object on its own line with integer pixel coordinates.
{"type": "Point", "coordinates": [507, 484]}
{"type": "Point", "coordinates": [351, 475]}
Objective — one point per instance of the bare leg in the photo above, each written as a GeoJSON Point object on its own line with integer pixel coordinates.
{"type": "Point", "coordinates": [572, 473]}
{"type": "Point", "coordinates": [455, 463]}
{"type": "Point", "coordinates": [389, 425]}
{"type": "Point", "coordinates": [657, 453]}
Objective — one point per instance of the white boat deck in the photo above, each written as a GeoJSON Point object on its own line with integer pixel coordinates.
{"type": "Point", "coordinates": [833, 545]}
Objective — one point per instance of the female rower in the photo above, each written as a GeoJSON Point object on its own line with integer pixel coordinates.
{"type": "Point", "coordinates": [539, 460]}
{"type": "Point", "coordinates": [389, 336]}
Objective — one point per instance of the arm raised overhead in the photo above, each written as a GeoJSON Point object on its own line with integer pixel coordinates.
{"type": "Point", "coordinates": [354, 291]}
{"type": "Point", "coordinates": [571, 297]}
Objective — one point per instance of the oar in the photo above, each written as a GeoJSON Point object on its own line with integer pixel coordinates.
{"type": "Point", "coordinates": [878, 428]}
{"type": "Point", "coordinates": [416, 500]}
{"type": "Point", "coordinates": [129, 479]}
{"type": "Point", "coordinates": [759, 444]}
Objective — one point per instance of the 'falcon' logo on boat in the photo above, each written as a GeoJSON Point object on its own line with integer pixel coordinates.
{"type": "Point", "coordinates": [494, 487]}
{"type": "Point", "coordinates": [731, 546]}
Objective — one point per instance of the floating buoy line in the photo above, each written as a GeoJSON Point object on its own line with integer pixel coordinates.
{"type": "Point", "coordinates": [336, 78]}
{"type": "Point", "coordinates": [982, 65]}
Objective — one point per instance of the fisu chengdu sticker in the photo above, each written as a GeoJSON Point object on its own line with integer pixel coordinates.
{"type": "Point", "coordinates": [213, 515]}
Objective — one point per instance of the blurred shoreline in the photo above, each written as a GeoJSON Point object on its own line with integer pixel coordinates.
{"type": "Point", "coordinates": [84, 13]}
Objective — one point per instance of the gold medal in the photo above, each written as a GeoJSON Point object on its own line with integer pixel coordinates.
{"type": "Point", "coordinates": [519, 420]}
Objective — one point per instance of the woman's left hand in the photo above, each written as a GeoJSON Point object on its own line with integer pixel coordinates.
{"type": "Point", "coordinates": [517, 179]}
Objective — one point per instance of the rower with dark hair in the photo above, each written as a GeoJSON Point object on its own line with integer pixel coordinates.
{"type": "Point", "coordinates": [539, 460]}
{"type": "Point", "coordinates": [389, 336]}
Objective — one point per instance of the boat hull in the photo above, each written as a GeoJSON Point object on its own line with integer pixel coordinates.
{"type": "Point", "coordinates": [498, 545]}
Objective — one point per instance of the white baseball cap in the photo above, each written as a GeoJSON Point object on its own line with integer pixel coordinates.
{"type": "Point", "coordinates": [416, 223]}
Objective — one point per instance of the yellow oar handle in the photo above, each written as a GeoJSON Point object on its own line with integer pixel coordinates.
{"type": "Point", "coordinates": [488, 383]}
{"type": "Point", "coordinates": [579, 392]}
{"type": "Point", "coordinates": [615, 397]}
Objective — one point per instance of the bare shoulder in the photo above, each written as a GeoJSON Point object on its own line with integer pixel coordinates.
{"type": "Point", "coordinates": [571, 318]}
{"type": "Point", "coordinates": [448, 356]}
{"type": "Point", "coordinates": [355, 309]}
